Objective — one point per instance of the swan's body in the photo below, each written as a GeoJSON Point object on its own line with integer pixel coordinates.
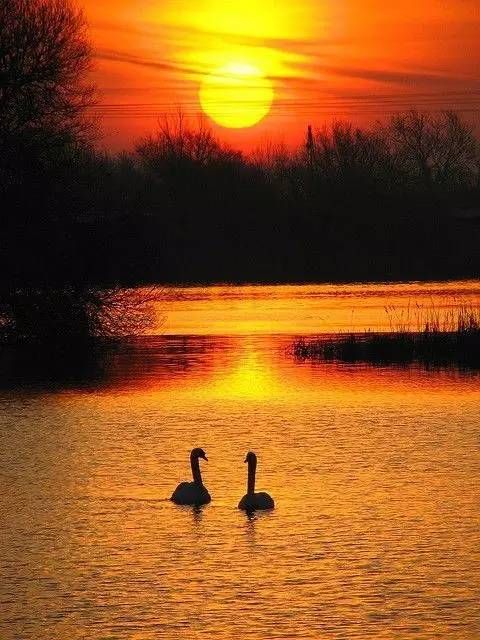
{"type": "Point", "coordinates": [252, 501]}
{"type": "Point", "coordinates": [189, 493]}
{"type": "Point", "coordinates": [256, 502]}
{"type": "Point", "coordinates": [192, 493]}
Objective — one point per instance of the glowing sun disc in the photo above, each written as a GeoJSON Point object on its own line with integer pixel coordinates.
{"type": "Point", "coordinates": [236, 95]}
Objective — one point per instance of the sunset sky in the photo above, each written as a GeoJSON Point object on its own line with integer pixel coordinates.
{"type": "Point", "coordinates": [290, 63]}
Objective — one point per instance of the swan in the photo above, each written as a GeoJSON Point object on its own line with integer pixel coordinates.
{"type": "Point", "coordinates": [252, 501]}
{"type": "Point", "coordinates": [192, 493]}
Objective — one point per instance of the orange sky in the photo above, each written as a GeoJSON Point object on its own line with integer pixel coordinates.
{"type": "Point", "coordinates": [355, 59]}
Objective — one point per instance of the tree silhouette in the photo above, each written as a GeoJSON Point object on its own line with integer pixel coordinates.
{"type": "Point", "coordinates": [44, 56]}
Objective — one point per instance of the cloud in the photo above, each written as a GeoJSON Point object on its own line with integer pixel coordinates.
{"type": "Point", "coordinates": [389, 76]}
{"type": "Point", "coordinates": [132, 59]}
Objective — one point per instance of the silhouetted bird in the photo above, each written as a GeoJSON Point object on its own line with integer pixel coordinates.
{"type": "Point", "coordinates": [252, 501]}
{"type": "Point", "coordinates": [193, 493]}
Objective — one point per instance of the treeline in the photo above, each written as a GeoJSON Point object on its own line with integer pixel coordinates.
{"type": "Point", "coordinates": [399, 200]}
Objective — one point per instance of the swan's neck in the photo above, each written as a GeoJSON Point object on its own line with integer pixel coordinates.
{"type": "Point", "coordinates": [252, 468]}
{"type": "Point", "coordinates": [197, 476]}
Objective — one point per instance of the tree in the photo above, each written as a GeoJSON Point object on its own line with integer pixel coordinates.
{"type": "Point", "coordinates": [179, 148]}
{"type": "Point", "coordinates": [44, 57]}
{"type": "Point", "coordinates": [434, 150]}
{"type": "Point", "coordinates": [44, 93]}
{"type": "Point", "coordinates": [48, 291]}
{"type": "Point", "coordinates": [345, 154]}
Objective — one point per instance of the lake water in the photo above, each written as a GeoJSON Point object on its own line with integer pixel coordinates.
{"type": "Point", "coordinates": [376, 534]}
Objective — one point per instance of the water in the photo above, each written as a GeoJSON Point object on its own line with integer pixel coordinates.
{"type": "Point", "coordinates": [374, 472]}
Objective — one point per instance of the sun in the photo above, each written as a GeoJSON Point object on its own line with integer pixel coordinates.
{"type": "Point", "coordinates": [237, 95]}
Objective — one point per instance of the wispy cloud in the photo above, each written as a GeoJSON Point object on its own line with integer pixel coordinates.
{"type": "Point", "coordinates": [139, 61]}
{"type": "Point", "coordinates": [389, 76]}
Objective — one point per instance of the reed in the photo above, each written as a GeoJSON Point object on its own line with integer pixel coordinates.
{"type": "Point", "coordinates": [429, 336]}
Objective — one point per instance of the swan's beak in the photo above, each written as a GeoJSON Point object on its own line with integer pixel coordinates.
{"type": "Point", "coordinates": [245, 461]}
{"type": "Point", "coordinates": [205, 458]}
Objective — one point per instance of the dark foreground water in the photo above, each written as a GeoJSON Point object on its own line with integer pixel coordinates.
{"type": "Point", "coordinates": [374, 472]}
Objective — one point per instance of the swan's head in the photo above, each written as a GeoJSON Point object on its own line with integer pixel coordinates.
{"type": "Point", "coordinates": [199, 453]}
{"type": "Point", "coordinates": [250, 457]}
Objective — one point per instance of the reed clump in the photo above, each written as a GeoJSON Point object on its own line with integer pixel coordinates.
{"type": "Point", "coordinates": [446, 338]}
